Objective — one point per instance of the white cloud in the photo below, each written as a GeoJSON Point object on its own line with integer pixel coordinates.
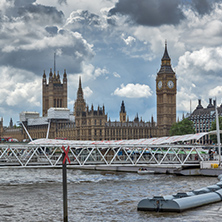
{"type": "Point", "coordinates": [115, 74]}
{"type": "Point", "coordinates": [98, 72]}
{"type": "Point", "coordinates": [216, 92]}
{"type": "Point", "coordinates": [69, 39]}
{"type": "Point", "coordinates": [24, 92]}
{"type": "Point", "coordinates": [207, 59]}
{"type": "Point", "coordinates": [5, 4]}
{"type": "Point", "coordinates": [19, 88]}
{"type": "Point", "coordinates": [199, 76]}
{"type": "Point", "coordinates": [185, 99]}
{"type": "Point", "coordinates": [129, 40]}
{"type": "Point", "coordinates": [133, 91]}
{"type": "Point", "coordinates": [89, 72]}
{"type": "Point", "coordinates": [87, 92]}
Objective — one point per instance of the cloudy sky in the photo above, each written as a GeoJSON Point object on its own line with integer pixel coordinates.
{"type": "Point", "coordinates": [116, 46]}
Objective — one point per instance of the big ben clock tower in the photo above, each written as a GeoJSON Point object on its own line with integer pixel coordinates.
{"type": "Point", "coordinates": [166, 89]}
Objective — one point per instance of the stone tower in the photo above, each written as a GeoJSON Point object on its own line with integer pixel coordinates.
{"type": "Point", "coordinates": [80, 104]}
{"type": "Point", "coordinates": [122, 114]}
{"type": "Point", "coordinates": [54, 93]}
{"type": "Point", "coordinates": [166, 89]}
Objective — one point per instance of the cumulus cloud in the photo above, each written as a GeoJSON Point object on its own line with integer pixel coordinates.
{"type": "Point", "coordinates": [199, 76]}
{"type": "Point", "coordinates": [25, 46]}
{"type": "Point", "coordinates": [197, 31]}
{"type": "Point", "coordinates": [133, 91]}
{"type": "Point", "coordinates": [206, 59]}
{"type": "Point", "coordinates": [19, 90]}
{"type": "Point", "coordinates": [83, 17]}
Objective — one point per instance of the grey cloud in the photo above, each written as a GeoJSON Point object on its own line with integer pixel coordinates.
{"type": "Point", "coordinates": [38, 60]}
{"type": "Point", "coordinates": [88, 24]}
{"type": "Point", "coordinates": [34, 13]}
{"type": "Point", "coordinates": [52, 30]}
{"type": "Point", "coordinates": [160, 12]}
{"type": "Point", "coordinates": [40, 13]}
{"type": "Point", "coordinates": [111, 21]}
{"type": "Point", "coordinates": [151, 13]}
{"type": "Point", "coordinates": [31, 36]}
{"type": "Point", "coordinates": [62, 1]}
{"type": "Point", "coordinates": [19, 3]}
{"type": "Point", "coordinates": [203, 6]}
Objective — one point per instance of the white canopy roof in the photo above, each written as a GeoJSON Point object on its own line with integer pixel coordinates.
{"type": "Point", "coordinates": [150, 141]}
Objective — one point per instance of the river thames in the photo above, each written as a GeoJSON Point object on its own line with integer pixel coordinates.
{"type": "Point", "coordinates": [36, 195]}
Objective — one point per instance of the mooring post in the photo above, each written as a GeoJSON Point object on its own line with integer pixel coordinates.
{"type": "Point", "coordinates": [64, 177]}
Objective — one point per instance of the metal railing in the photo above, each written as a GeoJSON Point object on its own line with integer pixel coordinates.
{"type": "Point", "coordinates": [51, 155]}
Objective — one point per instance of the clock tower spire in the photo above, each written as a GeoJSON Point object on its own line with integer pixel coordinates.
{"type": "Point", "coordinates": [166, 95]}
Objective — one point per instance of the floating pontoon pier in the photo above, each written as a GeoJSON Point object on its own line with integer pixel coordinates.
{"type": "Point", "coordinates": [183, 201]}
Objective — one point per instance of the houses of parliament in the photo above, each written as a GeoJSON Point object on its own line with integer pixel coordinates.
{"type": "Point", "coordinates": [89, 123]}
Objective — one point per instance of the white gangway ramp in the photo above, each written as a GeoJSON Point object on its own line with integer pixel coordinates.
{"type": "Point", "coordinates": [48, 152]}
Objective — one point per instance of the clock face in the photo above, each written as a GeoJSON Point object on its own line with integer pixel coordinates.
{"type": "Point", "coordinates": [160, 84]}
{"type": "Point", "coordinates": [170, 84]}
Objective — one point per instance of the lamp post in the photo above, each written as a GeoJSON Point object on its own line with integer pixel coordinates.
{"type": "Point", "coordinates": [218, 134]}
{"type": "Point", "coordinates": [64, 179]}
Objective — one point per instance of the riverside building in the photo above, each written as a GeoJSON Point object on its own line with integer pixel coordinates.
{"type": "Point", "coordinates": [202, 118]}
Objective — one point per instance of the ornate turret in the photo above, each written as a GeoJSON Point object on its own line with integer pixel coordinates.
{"type": "Point", "coordinates": [64, 76]}
{"type": "Point", "coordinates": [122, 114]}
{"type": "Point", "coordinates": [44, 81]}
{"type": "Point", "coordinates": [165, 63]}
{"type": "Point", "coordinates": [44, 75]}
{"type": "Point", "coordinates": [80, 104]}
{"type": "Point", "coordinates": [80, 91]}
{"type": "Point", "coordinates": [165, 55]}
{"type": "Point", "coordinates": [11, 123]}
{"type": "Point", "coordinates": [136, 119]}
{"type": "Point", "coordinates": [58, 76]}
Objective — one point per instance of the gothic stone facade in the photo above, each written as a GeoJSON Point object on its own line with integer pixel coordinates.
{"type": "Point", "coordinates": [166, 89]}
{"type": "Point", "coordinates": [54, 93]}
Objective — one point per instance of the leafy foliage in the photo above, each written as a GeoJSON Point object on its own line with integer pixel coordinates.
{"type": "Point", "coordinates": [183, 127]}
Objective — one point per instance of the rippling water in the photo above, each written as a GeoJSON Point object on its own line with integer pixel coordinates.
{"type": "Point", "coordinates": [36, 195]}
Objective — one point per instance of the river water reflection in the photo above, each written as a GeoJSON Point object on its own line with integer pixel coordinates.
{"type": "Point", "coordinates": [36, 195]}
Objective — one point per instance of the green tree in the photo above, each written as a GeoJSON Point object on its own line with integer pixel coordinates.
{"type": "Point", "coordinates": [213, 127]}
{"type": "Point", "coordinates": [181, 128]}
